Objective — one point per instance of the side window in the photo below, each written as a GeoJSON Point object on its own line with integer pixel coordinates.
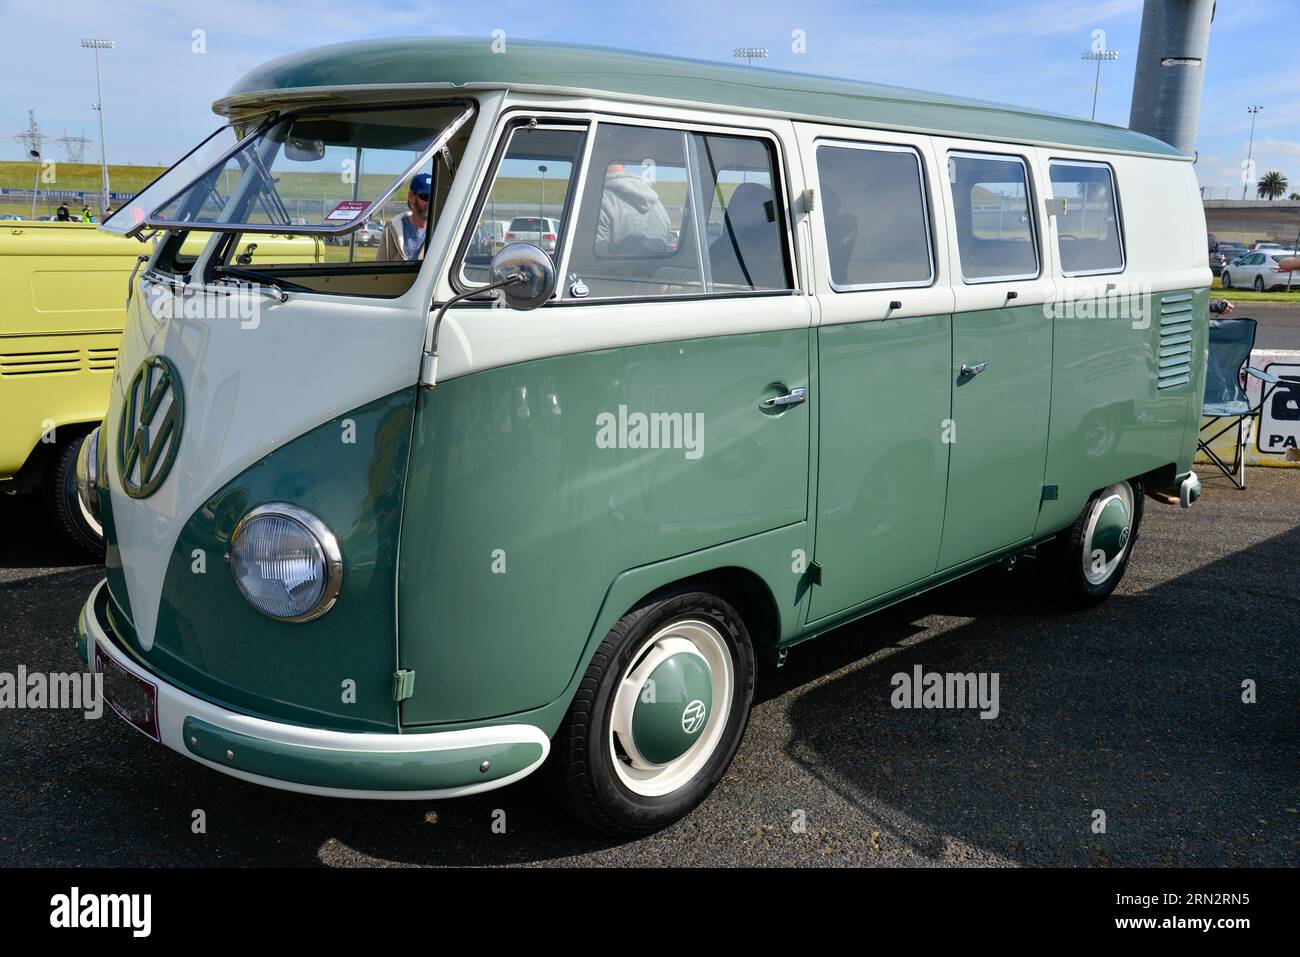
{"type": "Point", "coordinates": [746, 248]}
{"type": "Point", "coordinates": [646, 192]}
{"type": "Point", "coordinates": [633, 235]}
{"type": "Point", "coordinates": [874, 210]}
{"type": "Point", "coordinates": [995, 224]}
{"type": "Point", "coordinates": [1088, 235]}
{"type": "Point", "coordinates": [528, 197]}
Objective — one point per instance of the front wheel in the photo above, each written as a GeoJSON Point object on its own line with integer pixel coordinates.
{"type": "Point", "coordinates": [658, 715]}
{"type": "Point", "coordinates": [1226, 280]}
{"type": "Point", "coordinates": [1259, 283]}
{"type": "Point", "coordinates": [1088, 559]}
{"type": "Point", "coordinates": [80, 526]}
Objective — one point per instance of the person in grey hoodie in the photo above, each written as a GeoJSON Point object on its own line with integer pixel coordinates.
{"type": "Point", "coordinates": [633, 221]}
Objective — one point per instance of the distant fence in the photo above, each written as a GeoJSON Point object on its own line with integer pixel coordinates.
{"type": "Point", "coordinates": [59, 195]}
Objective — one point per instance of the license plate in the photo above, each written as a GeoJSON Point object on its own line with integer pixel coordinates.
{"type": "Point", "coordinates": [133, 698]}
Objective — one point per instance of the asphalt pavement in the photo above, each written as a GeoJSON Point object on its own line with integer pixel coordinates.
{"type": "Point", "coordinates": [1278, 322]}
{"type": "Point", "coordinates": [1133, 709]}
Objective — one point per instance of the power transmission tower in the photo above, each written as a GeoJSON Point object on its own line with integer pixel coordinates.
{"type": "Point", "coordinates": [74, 146]}
{"type": "Point", "coordinates": [31, 137]}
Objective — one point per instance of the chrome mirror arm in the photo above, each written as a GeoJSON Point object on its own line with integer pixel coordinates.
{"type": "Point", "coordinates": [429, 367]}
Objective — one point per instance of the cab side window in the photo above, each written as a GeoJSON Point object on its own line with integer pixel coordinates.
{"type": "Point", "coordinates": [1088, 233]}
{"type": "Point", "coordinates": [528, 198]}
{"type": "Point", "coordinates": [875, 218]}
{"type": "Point", "coordinates": [996, 239]}
{"type": "Point", "coordinates": [669, 212]}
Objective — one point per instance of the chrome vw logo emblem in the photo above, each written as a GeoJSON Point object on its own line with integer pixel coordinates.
{"type": "Point", "coordinates": [693, 717]}
{"type": "Point", "coordinates": [149, 431]}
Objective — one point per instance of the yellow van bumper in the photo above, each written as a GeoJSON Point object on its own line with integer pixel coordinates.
{"type": "Point", "coordinates": [296, 758]}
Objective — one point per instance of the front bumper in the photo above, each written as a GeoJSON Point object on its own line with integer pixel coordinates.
{"type": "Point", "coordinates": [314, 761]}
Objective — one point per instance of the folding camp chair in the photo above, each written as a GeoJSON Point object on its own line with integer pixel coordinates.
{"type": "Point", "coordinates": [1231, 341]}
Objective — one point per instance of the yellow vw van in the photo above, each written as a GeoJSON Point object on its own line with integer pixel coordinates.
{"type": "Point", "coordinates": [795, 350]}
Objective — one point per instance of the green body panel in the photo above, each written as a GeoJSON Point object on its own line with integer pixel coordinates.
{"type": "Point", "coordinates": [995, 474]}
{"type": "Point", "coordinates": [883, 397]}
{"type": "Point", "coordinates": [517, 521]}
{"type": "Point", "coordinates": [767, 557]}
{"type": "Point", "coordinates": [358, 770]}
{"type": "Point", "coordinates": [659, 722]}
{"type": "Point", "coordinates": [211, 642]}
{"type": "Point", "coordinates": [1109, 420]}
{"type": "Point", "coordinates": [457, 61]}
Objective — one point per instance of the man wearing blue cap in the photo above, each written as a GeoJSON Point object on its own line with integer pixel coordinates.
{"type": "Point", "coordinates": [404, 234]}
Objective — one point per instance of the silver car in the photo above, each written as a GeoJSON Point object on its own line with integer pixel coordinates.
{"type": "Point", "coordinates": [538, 230]}
{"type": "Point", "coordinates": [1260, 270]}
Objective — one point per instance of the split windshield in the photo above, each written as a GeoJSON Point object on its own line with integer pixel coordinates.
{"type": "Point", "coordinates": [319, 172]}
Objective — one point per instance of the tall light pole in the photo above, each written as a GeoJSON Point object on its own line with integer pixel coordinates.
{"type": "Point", "coordinates": [750, 54]}
{"type": "Point", "coordinates": [1250, 151]}
{"type": "Point", "coordinates": [98, 45]}
{"type": "Point", "coordinates": [1098, 55]}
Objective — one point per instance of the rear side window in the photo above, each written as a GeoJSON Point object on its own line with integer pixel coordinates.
{"type": "Point", "coordinates": [1088, 233]}
{"type": "Point", "coordinates": [669, 212]}
{"type": "Point", "coordinates": [874, 211]}
{"type": "Point", "coordinates": [995, 223]}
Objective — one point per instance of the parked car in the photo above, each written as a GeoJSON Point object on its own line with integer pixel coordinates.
{"type": "Point", "coordinates": [370, 234]}
{"type": "Point", "coordinates": [1260, 270]}
{"type": "Point", "coordinates": [540, 231]}
{"type": "Point", "coordinates": [1223, 254]}
{"type": "Point", "coordinates": [10, 217]}
{"type": "Point", "coordinates": [489, 237]}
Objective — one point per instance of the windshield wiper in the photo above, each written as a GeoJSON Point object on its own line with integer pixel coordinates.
{"type": "Point", "coordinates": [238, 272]}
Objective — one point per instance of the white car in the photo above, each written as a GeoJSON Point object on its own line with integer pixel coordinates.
{"type": "Point", "coordinates": [537, 230]}
{"type": "Point", "coordinates": [1260, 270]}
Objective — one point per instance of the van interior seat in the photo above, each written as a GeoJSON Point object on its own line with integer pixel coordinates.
{"type": "Point", "coordinates": [748, 253]}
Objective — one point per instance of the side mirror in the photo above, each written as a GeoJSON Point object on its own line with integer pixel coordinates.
{"type": "Point", "coordinates": [524, 273]}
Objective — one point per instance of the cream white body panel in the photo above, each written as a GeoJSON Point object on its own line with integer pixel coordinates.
{"type": "Point", "coordinates": [247, 392]}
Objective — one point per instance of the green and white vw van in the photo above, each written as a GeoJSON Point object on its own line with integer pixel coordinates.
{"type": "Point", "coordinates": [782, 351]}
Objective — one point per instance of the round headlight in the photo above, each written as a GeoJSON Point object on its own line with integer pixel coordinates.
{"type": "Point", "coordinates": [286, 562]}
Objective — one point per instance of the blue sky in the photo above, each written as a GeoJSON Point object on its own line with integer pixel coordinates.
{"type": "Point", "coordinates": [158, 92]}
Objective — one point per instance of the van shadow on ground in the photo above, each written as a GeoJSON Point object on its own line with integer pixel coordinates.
{"type": "Point", "coordinates": [1134, 708]}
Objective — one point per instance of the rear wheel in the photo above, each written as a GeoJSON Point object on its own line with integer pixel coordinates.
{"type": "Point", "coordinates": [1088, 560]}
{"type": "Point", "coordinates": [1259, 283]}
{"type": "Point", "coordinates": [65, 505]}
{"type": "Point", "coordinates": [658, 715]}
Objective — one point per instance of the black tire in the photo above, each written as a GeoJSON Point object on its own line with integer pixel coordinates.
{"type": "Point", "coordinates": [1064, 555]}
{"type": "Point", "coordinates": [580, 770]}
{"type": "Point", "coordinates": [60, 490]}
{"type": "Point", "coordinates": [1226, 280]}
{"type": "Point", "coordinates": [1259, 283]}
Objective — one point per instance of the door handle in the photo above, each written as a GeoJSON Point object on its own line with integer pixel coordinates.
{"type": "Point", "coordinates": [793, 397]}
{"type": "Point", "coordinates": [973, 370]}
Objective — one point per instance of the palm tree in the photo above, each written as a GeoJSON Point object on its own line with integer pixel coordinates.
{"type": "Point", "coordinates": [1272, 186]}
{"type": "Point", "coordinates": [1294, 196]}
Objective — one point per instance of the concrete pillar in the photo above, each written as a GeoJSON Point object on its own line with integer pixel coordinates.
{"type": "Point", "coordinates": [1170, 70]}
